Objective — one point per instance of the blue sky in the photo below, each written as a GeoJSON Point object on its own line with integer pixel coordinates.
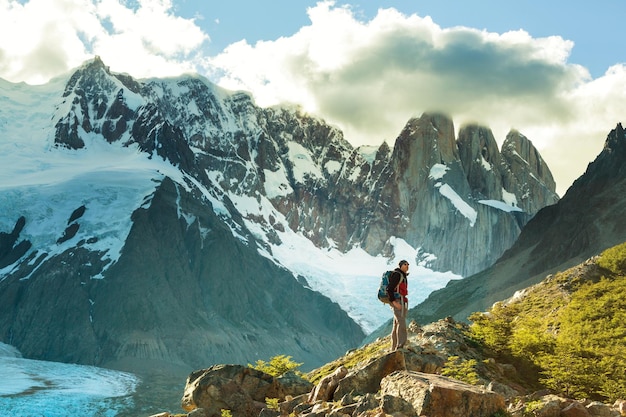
{"type": "Point", "coordinates": [597, 28]}
{"type": "Point", "coordinates": [556, 71]}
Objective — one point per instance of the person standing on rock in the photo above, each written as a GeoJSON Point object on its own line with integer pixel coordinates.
{"type": "Point", "coordinates": [398, 291]}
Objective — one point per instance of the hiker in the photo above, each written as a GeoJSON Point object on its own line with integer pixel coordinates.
{"type": "Point", "coordinates": [398, 291]}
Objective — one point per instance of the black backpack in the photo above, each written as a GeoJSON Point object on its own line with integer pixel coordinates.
{"type": "Point", "coordinates": [382, 289]}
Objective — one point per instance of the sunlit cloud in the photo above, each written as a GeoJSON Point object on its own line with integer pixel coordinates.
{"type": "Point", "coordinates": [43, 38]}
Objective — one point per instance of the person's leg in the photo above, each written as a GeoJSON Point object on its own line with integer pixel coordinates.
{"type": "Point", "coordinates": [397, 314]}
{"type": "Point", "coordinates": [402, 334]}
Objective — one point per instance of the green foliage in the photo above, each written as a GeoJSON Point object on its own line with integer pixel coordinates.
{"type": "Point", "coordinates": [462, 370]}
{"type": "Point", "coordinates": [272, 403]}
{"type": "Point", "coordinates": [592, 340]}
{"type": "Point", "coordinates": [572, 326]}
{"type": "Point", "coordinates": [277, 366]}
{"type": "Point", "coordinates": [568, 370]}
{"type": "Point", "coordinates": [530, 338]}
{"type": "Point", "coordinates": [495, 328]}
{"type": "Point", "coordinates": [226, 413]}
{"type": "Point", "coordinates": [614, 259]}
{"type": "Point", "coordinates": [530, 408]}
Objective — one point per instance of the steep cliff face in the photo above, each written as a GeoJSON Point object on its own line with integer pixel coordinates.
{"type": "Point", "coordinates": [450, 197]}
{"type": "Point", "coordinates": [184, 293]}
{"type": "Point", "coordinates": [526, 174]}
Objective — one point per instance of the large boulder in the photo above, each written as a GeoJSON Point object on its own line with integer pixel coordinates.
{"type": "Point", "coordinates": [439, 396]}
{"type": "Point", "coordinates": [237, 388]}
{"type": "Point", "coordinates": [367, 379]}
{"type": "Point", "coordinates": [326, 388]}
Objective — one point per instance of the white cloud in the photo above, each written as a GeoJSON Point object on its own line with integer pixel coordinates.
{"type": "Point", "coordinates": [43, 38]}
{"type": "Point", "coordinates": [371, 76]}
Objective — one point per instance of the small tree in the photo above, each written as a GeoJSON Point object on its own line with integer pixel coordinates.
{"type": "Point", "coordinates": [462, 370]}
{"type": "Point", "coordinates": [569, 370]}
{"type": "Point", "coordinates": [272, 404]}
{"type": "Point", "coordinates": [277, 366]}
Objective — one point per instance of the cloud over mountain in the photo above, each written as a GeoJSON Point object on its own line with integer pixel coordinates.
{"type": "Point", "coordinates": [367, 76]}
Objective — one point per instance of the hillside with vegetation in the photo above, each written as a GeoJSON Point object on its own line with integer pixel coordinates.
{"type": "Point", "coordinates": [569, 330]}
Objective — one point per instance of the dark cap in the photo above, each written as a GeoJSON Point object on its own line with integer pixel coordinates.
{"type": "Point", "coordinates": [402, 262]}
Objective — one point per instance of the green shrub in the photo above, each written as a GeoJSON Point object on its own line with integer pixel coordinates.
{"type": "Point", "coordinates": [462, 370]}
{"type": "Point", "coordinates": [272, 403]}
{"type": "Point", "coordinates": [530, 408]}
{"type": "Point", "coordinates": [277, 366]}
{"type": "Point", "coordinates": [494, 328]}
{"type": "Point", "coordinates": [614, 259]}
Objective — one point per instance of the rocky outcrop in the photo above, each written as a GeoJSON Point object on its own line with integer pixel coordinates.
{"type": "Point", "coordinates": [438, 396]}
{"type": "Point", "coordinates": [542, 404]}
{"type": "Point", "coordinates": [236, 388]}
{"type": "Point", "coordinates": [246, 392]}
{"type": "Point", "coordinates": [325, 389]}
{"type": "Point", "coordinates": [10, 249]}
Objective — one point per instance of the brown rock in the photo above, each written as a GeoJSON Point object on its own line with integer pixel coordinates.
{"type": "Point", "coordinates": [294, 384]}
{"type": "Point", "coordinates": [237, 388]}
{"type": "Point", "coordinates": [550, 408]}
{"type": "Point", "coordinates": [367, 379]}
{"type": "Point", "coordinates": [326, 387]}
{"type": "Point", "coordinates": [438, 396]}
{"type": "Point", "coordinates": [575, 409]}
{"type": "Point", "coordinates": [598, 409]}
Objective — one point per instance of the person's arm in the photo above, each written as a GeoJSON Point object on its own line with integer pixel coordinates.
{"type": "Point", "coordinates": [394, 280]}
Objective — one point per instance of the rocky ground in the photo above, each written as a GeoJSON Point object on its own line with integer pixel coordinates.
{"type": "Point", "coordinates": [374, 381]}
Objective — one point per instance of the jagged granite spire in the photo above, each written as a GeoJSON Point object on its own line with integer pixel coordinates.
{"type": "Point", "coordinates": [587, 220]}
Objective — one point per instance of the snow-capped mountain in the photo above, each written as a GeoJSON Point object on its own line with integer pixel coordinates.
{"type": "Point", "coordinates": [170, 221]}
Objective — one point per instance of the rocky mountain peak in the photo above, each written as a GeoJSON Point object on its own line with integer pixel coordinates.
{"type": "Point", "coordinates": [428, 139]}
{"type": "Point", "coordinates": [609, 164]}
{"type": "Point", "coordinates": [469, 179]}
{"type": "Point", "coordinates": [517, 148]}
{"type": "Point", "coordinates": [481, 160]}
